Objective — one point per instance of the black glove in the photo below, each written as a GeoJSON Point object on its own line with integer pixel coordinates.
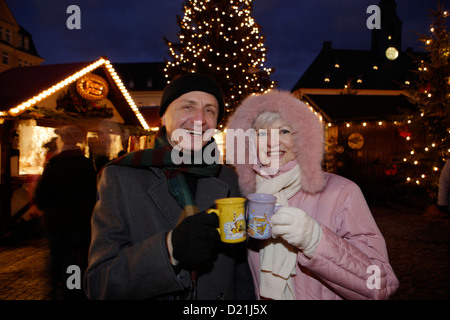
{"type": "Point", "coordinates": [195, 239]}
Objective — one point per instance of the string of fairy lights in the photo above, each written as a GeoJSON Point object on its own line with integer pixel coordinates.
{"type": "Point", "coordinates": [71, 79]}
{"type": "Point", "coordinates": [408, 158]}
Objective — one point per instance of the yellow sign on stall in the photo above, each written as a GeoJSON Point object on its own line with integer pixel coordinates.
{"type": "Point", "coordinates": [92, 87]}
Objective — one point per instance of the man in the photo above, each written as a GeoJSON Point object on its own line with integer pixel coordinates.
{"type": "Point", "coordinates": [151, 237]}
{"type": "Point", "coordinates": [66, 192]}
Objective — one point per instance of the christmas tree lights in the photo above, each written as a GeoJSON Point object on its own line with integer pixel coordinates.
{"type": "Point", "coordinates": [221, 39]}
{"type": "Point", "coordinates": [428, 126]}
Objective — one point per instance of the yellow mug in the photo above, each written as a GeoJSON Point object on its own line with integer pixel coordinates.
{"type": "Point", "coordinates": [231, 213]}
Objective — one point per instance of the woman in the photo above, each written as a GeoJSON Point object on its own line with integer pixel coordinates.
{"type": "Point", "coordinates": [325, 243]}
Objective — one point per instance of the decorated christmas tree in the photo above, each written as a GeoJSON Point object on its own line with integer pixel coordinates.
{"type": "Point", "coordinates": [221, 39]}
{"type": "Point", "coordinates": [428, 125]}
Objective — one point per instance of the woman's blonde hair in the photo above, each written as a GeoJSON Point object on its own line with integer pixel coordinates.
{"type": "Point", "coordinates": [266, 119]}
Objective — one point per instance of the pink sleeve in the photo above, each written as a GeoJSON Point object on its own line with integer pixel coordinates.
{"type": "Point", "coordinates": [353, 259]}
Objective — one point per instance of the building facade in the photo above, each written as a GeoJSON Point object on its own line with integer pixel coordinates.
{"type": "Point", "coordinates": [17, 48]}
{"type": "Point", "coordinates": [359, 94]}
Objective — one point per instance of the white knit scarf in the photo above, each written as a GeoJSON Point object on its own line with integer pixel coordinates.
{"type": "Point", "coordinates": [277, 258]}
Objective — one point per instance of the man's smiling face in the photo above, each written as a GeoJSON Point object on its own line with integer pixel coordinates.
{"type": "Point", "coordinates": [194, 113]}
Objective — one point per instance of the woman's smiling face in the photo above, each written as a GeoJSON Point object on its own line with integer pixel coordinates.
{"type": "Point", "coordinates": [275, 143]}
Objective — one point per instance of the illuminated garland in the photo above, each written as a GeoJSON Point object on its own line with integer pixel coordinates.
{"type": "Point", "coordinates": [15, 111]}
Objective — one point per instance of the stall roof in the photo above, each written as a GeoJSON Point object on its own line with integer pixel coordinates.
{"type": "Point", "coordinates": [22, 87]}
{"type": "Point", "coordinates": [21, 83]}
{"type": "Point", "coordinates": [358, 107]}
{"type": "Point", "coordinates": [334, 68]}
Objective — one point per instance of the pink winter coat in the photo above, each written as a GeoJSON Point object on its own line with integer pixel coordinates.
{"type": "Point", "coordinates": [351, 260]}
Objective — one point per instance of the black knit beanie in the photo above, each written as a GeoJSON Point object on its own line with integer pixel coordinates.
{"type": "Point", "coordinates": [188, 83]}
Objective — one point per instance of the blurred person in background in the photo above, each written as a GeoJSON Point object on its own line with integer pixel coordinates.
{"type": "Point", "coordinates": [66, 193]}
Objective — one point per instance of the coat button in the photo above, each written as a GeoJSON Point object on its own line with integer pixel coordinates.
{"type": "Point", "coordinates": [221, 296]}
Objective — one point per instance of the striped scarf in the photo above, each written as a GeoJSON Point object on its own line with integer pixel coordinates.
{"type": "Point", "coordinates": [160, 156]}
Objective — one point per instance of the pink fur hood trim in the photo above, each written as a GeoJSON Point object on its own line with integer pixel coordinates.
{"type": "Point", "coordinates": [308, 134]}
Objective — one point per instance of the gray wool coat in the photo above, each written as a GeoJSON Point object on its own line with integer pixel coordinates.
{"type": "Point", "coordinates": [128, 257]}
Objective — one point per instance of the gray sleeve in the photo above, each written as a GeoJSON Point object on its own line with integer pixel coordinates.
{"type": "Point", "coordinates": [118, 268]}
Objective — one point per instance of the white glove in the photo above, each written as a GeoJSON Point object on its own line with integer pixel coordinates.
{"type": "Point", "coordinates": [297, 228]}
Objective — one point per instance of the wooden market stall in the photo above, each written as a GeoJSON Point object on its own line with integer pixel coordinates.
{"type": "Point", "coordinates": [36, 100]}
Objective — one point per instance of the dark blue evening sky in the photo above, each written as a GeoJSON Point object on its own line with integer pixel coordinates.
{"type": "Point", "coordinates": [133, 30]}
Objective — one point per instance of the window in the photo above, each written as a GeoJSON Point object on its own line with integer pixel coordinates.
{"type": "Point", "coordinates": [20, 41]}
{"type": "Point", "coordinates": [1, 33]}
{"type": "Point", "coordinates": [149, 83]}
{"type": "Point", "coordinates": [31, 145]}
{"type": "Point", "coordinates": [8, 36]}
{"type": "Point", "coordinates": [26, 43]}
{"type": "Point", "coordinates": [5, 59]}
